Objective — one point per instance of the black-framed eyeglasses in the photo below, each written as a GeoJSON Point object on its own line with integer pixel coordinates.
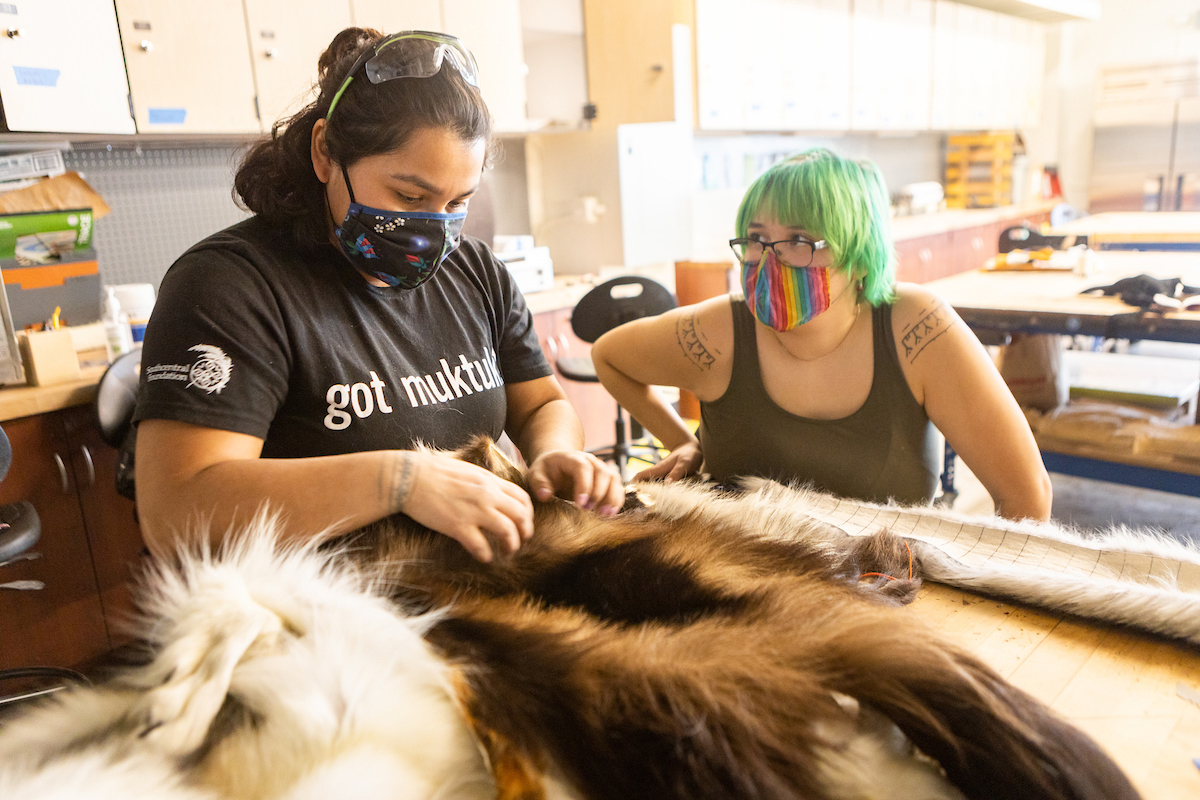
{"type": "Point", "coordinates": [411, 54]}
{"type": "Point", "coordinates": [794, 252]}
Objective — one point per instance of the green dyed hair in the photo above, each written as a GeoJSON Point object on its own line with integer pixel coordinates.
{"type": "Point", "coordinates": [842, 201]}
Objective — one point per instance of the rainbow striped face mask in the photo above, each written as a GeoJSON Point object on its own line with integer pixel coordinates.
{"type": "Point", "coordinates": [784, 297]}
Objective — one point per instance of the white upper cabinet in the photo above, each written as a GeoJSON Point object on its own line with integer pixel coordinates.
{"type": "Point", "coordinates": [188, 67]}
{"type": "Point", "coordinates": [865, 65]}
{"type": "Point", "coordinates": [761, 92]}
{"type": "Point", "coordinates": [822, 84]}
{"type": "Point", "coordinates": [61, 68]}
{"type": "Point", "coordinates": [393, 16]}
{"type": "Point", "coordinates": [892, 65]}
{"type": "Point", "coordinates": [491, 30]}
{"type": "Point", "coordinates": [987, 69]}
{"type": "Point", "coordinates": [286, 39]}
{"type": "Point", "coordinates": [773, 64]}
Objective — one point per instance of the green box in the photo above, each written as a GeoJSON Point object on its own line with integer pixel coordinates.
{"type": "Point", "coordinates": [47, 262]}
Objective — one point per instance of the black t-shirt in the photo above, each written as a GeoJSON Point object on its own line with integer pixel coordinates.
{"type": "Point", "coordinates": [253, 334]}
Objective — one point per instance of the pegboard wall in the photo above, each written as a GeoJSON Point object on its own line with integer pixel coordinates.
{"type": "Point", "coordinates": [163, 200]}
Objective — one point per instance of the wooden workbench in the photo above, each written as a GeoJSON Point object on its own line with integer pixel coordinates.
{"type": "Point", "coordinates": [1118, 686]}
{"type": "Point", "coordinates": [25, 401]}
{"type": "Point", "coordinates": [1169, 230]}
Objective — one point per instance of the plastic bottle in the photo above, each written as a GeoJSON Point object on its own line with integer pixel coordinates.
{"type": "Point", "coordinates": [116, 325]}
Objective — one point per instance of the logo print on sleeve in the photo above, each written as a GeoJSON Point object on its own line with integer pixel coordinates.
{"type": "Point", "coordinates": [211, 370]}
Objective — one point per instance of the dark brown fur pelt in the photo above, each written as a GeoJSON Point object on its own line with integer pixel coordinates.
{"type": "Point", "coordinates": [646, 656]}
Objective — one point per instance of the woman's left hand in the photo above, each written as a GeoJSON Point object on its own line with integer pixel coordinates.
{"type": "Point", "coordinates": [578, 476]}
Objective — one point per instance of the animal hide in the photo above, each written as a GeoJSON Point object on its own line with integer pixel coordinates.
{"type": "Point", "coordinates": [691, 647]}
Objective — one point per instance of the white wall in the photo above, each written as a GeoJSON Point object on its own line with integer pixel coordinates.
{"type": "Point", "coordinates": [1128, 32]}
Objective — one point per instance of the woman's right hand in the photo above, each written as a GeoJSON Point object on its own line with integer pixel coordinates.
{"type": "Point", "coordinates": [469, 504]}
{"type": "Point", "coordinates": [683, 461]}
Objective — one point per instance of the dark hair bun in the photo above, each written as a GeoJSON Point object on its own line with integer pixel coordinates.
{"type": "Point", "coordinates": [346, 46]}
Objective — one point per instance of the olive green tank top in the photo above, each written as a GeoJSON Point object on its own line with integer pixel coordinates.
{"type": "Point", "coordinates": [885, 449]}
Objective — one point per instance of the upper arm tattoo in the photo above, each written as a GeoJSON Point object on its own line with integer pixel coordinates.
{"type": "Point", "coordinates": [693, 348]}
{"type": "Point", "coordinates": [933, 323]}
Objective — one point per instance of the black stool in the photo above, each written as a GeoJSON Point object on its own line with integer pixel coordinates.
{"type": "Point", "coordinates": [606, 306]}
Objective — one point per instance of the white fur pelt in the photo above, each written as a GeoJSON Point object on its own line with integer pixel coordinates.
{"type": "Point", "coordinates": [279, 673]}
{"type": "Point", "coordinates": [701, 647]}
{"type": "Point", "coordinates": [1155, 602]}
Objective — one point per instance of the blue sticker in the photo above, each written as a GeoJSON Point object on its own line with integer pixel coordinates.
{"type": "Point", "coordinates": [36, 76]}
{"type": "Point", "coordinates": [1196, 761]}
{"type": "Point", "coordinates": [167, 116]}
{"type": "Point", "coordinates": [8, 8]}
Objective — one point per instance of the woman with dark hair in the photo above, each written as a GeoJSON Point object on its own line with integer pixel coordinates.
{"type": "Point", "coordinates": [824, 369]}
{"type": "Point", "coordinates": [302, 357]}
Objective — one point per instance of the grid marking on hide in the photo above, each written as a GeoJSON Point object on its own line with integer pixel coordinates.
{"type": "Point", "coordinates": [163, 199]}
{"type": "Point", "coordinates": [996, 546]}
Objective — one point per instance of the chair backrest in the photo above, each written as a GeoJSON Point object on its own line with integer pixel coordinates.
{"type": "Point", "coordinates": [5, 454]}
{"type": "Point", "coordinates": [116, 397]}
{"type": "Point", "coordinates": [1021, 237]}
{"type": "Point", "coordinates": [616, 302]}
{"type": "Point", "coordinates": [20, 528]}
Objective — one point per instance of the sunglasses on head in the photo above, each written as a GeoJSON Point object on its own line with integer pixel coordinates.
{"type": "Point", "coordinates": [411, 54]}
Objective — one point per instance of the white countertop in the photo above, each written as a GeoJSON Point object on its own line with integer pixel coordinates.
{"type": "Point", "coordinates": [569, 289]}
{"type": "Point", "coordinates": [953, 219]}
{"type": "Point", "coordinates": [1182, 226]}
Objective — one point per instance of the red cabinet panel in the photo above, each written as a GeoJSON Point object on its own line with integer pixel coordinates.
{"type": "Point", "coordinates": [62, 624]}
{"type": "Point", "coordinates": [595, 407]}
{"type": "Point", "coordinates": [113, 532]}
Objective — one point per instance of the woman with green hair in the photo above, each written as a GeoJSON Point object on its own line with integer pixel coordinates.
{"type": "Point", "coordinates": [824, 369]}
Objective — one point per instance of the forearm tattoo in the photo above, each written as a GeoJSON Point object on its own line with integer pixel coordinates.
{"type": "Point", "coordinates": [689, 341]}
{"type": "Point", "coordinates": [398, 479]}
{"type": "Point", "coordinates": [934, 322]}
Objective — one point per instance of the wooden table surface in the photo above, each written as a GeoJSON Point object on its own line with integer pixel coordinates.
{"type": "Point", "coordinates": [24, 401]}
{"type": "Point", "coordinates": [1117, 685]}
{"type": "Point", "coordinates": [1059, 291]}
{"type": "Point", "coordinates": [1156, 226]}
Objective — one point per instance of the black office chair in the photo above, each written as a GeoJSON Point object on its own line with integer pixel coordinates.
{"type": "Point", "coordinates": [1022, 237]}
{"type": "Point", "coordinates": [606, 306]}
{"type": "Point", "coordinates": [116, 397]}
{"type": "Point", "coordinates": [20, 529]}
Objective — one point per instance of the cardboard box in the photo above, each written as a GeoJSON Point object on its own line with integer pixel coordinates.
{"type": "Point", "coordinates": [46, 262]}
{"type": "Point", "coordinates": [49, 357]}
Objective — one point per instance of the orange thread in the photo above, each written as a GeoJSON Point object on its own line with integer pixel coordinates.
{"type": "Point", "coordinates": [891, 577]}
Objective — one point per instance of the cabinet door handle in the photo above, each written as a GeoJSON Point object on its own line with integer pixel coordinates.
{"type": "Point", "coordinates": [146, 45]}
{"type": "Point", "coordinates": [23, 586]}
{"type": "Point", "coordinates": [14, 33]}
{"type": "Point", "coordinates": [62, 474]}
{"type": "Point", "coordinates": [271, 52]}
{"type": "Point", "coordinates": [564, 343]}
{"type": "Point", "coordinates": [26, 556]}
{"type": "Point", "coordinates": [91, 465]}
{"type": "Point", "coordinates": [552, 346]}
